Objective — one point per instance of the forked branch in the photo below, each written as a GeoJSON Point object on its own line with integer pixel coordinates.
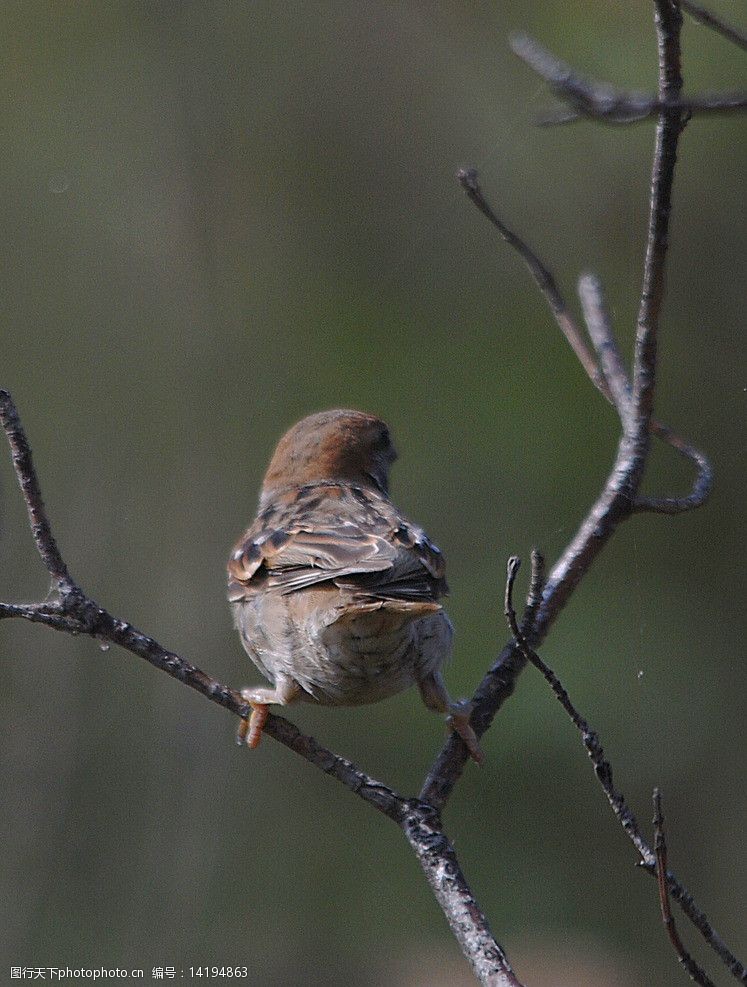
{"type": "Point", "coordinates": [652, 860]}
{"type": "Point", "coordinates": [660, 848]}
{"type": "Point", "coordinates": [606, 369]}
{"type": "Point", "coordinates": [588, 99]}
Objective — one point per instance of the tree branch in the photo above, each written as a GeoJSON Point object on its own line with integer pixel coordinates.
{"type": "Point", "coordinates": [600, 329]}
{"type": "Point", "coordinates": [612, 377]}
{"type": "Point", "coordinates": [543, 278]}
{"type": "Point", "coordinates": [702, 485]}
{"type": "Point", "coordinates": [603, 772]}
{"type": "Point", "coordinates": [687, 903]}
{"type": "Point", "coordinates": [660, 848]}
{"type": "Point", "coordinates": [40, 528]}
{"type": "Point", "coordinates": [599, 324]}
{"type": "Point", "coordinates": [670, 124]}
{"type": "Point", "coordinates": [600, 101]}
{"type": "Point", "coordinates": [73, 612]}
{"type": "Point", "coordinates": [468, 924]}
{"type": "Point", "coordinates": [715, 23]}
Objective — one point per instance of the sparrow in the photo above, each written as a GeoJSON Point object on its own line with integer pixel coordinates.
{"type": "Point", "coordinates": [335, 594]}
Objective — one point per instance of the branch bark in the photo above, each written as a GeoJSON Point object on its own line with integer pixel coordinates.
{"type": "Point", "coordinates": [695, 972]}
{"type": "Point", "coordinates": [728, 31]}
{"type": "Point", "coordinates": [589, 99]}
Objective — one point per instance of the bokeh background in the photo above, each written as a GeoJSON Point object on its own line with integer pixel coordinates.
{"type": "Point", "coordinates": [220, 217]}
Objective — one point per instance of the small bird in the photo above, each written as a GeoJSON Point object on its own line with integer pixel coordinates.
{"type": "Point", "coordinates": [334, 593]}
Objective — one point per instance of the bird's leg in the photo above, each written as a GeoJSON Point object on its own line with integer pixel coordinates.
{"type": "Point", "coordinates": [260, 699]}
{"type": "Point", "coordinates": [436, 697]}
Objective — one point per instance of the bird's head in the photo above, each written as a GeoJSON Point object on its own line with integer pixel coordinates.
{"type": "Point", "coordinates": [342, 445]}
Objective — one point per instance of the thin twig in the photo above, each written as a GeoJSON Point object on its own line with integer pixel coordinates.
{"type": "Point", "coordinates": [603, 772]}
{"type": "Point", "coordinates": [570, 328]}
{"type": "Point", "coordinates": [588, 98]}
{"type": "Point", "coordinates": [536, 586]}
{"type": "Point", "coordinates": [599, 324]}
{"type": "Point", "coordinates": [670, 124]}
{"type": "Point", "coordinates": [687, 903]}
{"type": "Point", "coordinates": [629, 107]}
{"type": "Point", "coordinates": [727, 31]}
{"type": "Point", "coordinates": [602, 767]}
{"type": "Point", "coordinates": [467, 178]}
{"type": "Point", "coordinates": [660, 848]}
{"type": "Point", "coordinates": [702, 485]}
{"type": "Point", "coordinates": [24, 467]}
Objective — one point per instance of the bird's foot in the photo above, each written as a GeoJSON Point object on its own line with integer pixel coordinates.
{"type": "Point", "coordinates": [250, 730]}
{"type": "Point", "coordinates": [260, 699]}
{"type": "Point", "coordinates": [458, 721]}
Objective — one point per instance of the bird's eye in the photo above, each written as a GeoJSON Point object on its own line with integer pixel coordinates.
{"type": "Point", "coordinates": [384, 439]}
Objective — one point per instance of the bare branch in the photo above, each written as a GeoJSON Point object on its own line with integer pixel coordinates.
{"type": "Point", "coordinates": [536, 586]}
{"type": "Point", "coordinates": [438, 860]}
{"type": "Point", "coordinates": [635, 108]}
{"type": "Point", "coordinates": [600, 330]}
{"type": "Point", "coordinates": [616, 502]}
{"type": "Point", "coordinates": [670, 124]}
{"type": "Point", "coordinates": [715, 23]}
{"type": "Point", "coordinates": [702, 484]}
{"type": "Point", "coordinates": [594, 749]}
{"type": "Point", "coordinates": [601, 101]}
{"type": "Point", "coordinates": [599, 324]}
{"type": "Point", "coordinates": [545, 281]}
{"type": "Point", "coordinates": [687, 903]}
{"type": "Point", "coordinates": [496, 687]}
{"type": "Point", "coordinates": [603, 772]}
{"type": "Point", "coordinates": [49, 614]}
{"type": "Point", "coordinates": [615, 497]}
{"type": "Point", "coordinates": [75, 613]}
{"type": "Point", "coordinates": [26, 474]}
{"type": "Point", "coordinates": [660, 848]}
{"type": "Point", "coordinates": [84, 616]}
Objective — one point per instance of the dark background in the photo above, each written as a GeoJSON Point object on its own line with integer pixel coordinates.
{"type": "Point", "coordinates": [220, 217]}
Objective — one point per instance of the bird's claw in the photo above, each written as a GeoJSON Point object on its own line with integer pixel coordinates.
{"type": "Point", "coordinates": [250, 730]}
{"type": "Point", "coordinates": [458, 720]}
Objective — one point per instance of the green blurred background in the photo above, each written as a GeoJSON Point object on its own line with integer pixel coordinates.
{"type": "Point", "coordinates": [219, 217]}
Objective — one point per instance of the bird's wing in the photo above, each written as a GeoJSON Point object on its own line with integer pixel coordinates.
{"type": "Point", "coordinates": [371, 555]}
